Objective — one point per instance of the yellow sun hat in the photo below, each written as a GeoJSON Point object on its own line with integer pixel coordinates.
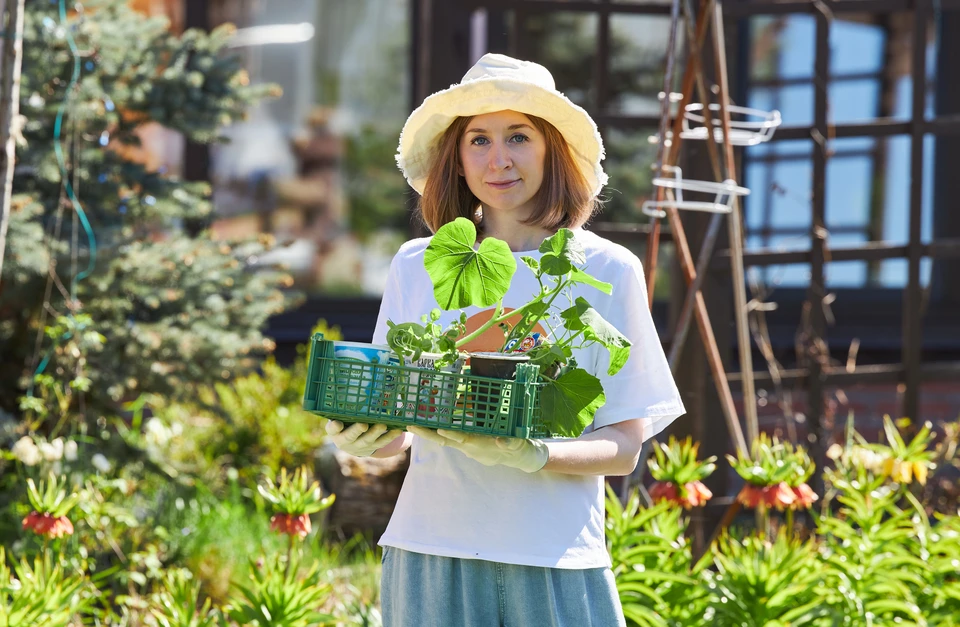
{"type": "Point", "coordinates": [496, 83]}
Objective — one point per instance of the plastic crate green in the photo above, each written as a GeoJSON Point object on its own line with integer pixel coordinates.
{"type": "Point", "coordinates": [356, 391]}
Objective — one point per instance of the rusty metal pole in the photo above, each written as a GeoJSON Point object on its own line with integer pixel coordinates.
{"type": "Point", "coordinates": [651, 257]}
{"type": "Point", "coordinates": [713, 230]}
{"type": "Point", "coordinates": [687, 265]}
{"type": "Point", "coordinates": [10, 63]}
{"type": "Point", "coordinates": [653, 240]}
{"type": "Point", "coordinates": [694, 299]}
{"type": "Point", "coordinates": [736, 234]}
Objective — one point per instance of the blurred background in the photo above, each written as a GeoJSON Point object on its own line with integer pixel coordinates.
{"type": "Point", "coordinates": [315, 167]}
{"type": "Point", "coordinates": [202, 184]}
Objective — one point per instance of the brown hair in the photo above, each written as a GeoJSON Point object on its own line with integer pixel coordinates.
{"type": "Point", "coordinates": [564, 199]}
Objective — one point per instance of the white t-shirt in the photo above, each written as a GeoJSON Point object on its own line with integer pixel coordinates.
{"type": "Point", "coordinates": [453, 506]}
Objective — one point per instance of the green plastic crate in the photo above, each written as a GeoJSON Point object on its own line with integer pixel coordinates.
{"type": "Point", "coordinates": [356, 391]}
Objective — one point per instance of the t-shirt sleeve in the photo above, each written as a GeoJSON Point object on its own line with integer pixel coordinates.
{"type": "Point", "coordinates": [390, 306]}
{"type": "Point", "coordinates": [644, 388]}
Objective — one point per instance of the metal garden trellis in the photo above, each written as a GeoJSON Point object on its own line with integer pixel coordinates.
{"type": "Point", "coordinates": [814, 370]}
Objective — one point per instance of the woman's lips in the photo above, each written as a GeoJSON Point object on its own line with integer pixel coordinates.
{"type": "Point", "coordinates": [503, 185]}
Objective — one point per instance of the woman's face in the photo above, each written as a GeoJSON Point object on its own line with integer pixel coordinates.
{"type": "Point", "coordinates": [502, 156]}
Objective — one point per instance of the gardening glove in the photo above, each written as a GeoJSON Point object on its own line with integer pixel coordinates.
{"type": "Point", "coordinates": [360, 439]}
{"type": "Point", "coordinates": [525, 455]}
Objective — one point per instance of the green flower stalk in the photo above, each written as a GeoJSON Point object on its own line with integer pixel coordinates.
{"type": "Point", "coordinates": [862, 466]}
{"type": "Point", "coordinates": [294, 499]}
{"type": "Point", "coordinates": [907, 461]}
{"type": "Point", "coordinates": [679, 474]}
{"type": "Point", "coordinates": [279, 595]}
{"type": "Point", "coordinates": [51, 504]}
{"type": "Point", "coordinates": [776, 474]}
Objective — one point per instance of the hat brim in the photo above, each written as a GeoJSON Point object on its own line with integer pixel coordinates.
{"type": "Point", "coordinates": [428, 122]}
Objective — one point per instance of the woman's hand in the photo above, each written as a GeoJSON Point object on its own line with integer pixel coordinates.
{"type": "Point", "coordinates": [610, 450]}
{"type": "Point", "coordinates": [525, 455]}
{"type": "Point", "coordinates": [360, 439]}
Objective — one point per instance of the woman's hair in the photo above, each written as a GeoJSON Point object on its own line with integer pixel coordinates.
{"type": "Point", "coordinates": [564, 199]}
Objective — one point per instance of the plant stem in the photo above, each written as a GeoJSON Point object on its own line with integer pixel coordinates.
{"type": "Point", "coordinates": [561, 284]}
{"type": "Point", "coordinates": [495, 319]}
{"type": "Point", "coordinates": [286, 573]}
{"type": "Point", "coordinates": [524, 331]}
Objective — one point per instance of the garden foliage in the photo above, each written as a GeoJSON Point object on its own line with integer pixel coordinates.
{"type": "Point", "coordinates": [876, 555]}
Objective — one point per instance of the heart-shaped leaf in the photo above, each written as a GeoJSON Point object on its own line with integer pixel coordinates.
{"type": "Point", "coordinates": [582, 317]}
{"type": "Point", "coordinates": [561, 253]}
{"type": "Point", "coordinates": [463, 276]}
{"type": "Point", "coordinates": [563, 244]}
{"type": "Point", "coordinates": [555, 265]}
{"type": "Point", "coordinates": [570, 402]}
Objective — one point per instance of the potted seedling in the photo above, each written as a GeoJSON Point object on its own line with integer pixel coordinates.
{"type": "Point", "coordinates": [464, 275]}
{"type": "Point", "coordinates": [427, 346]}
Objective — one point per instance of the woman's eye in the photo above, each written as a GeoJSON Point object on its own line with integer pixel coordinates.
{"type": "Point", "coordinates": [475, 141]}
{"type": "Point", "coordinates": [520, 138]}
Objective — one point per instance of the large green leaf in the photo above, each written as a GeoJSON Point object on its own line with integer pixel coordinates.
{"type": "Point", "coordinates": [583, 317]}
{"type": "Point", "coordinates": [570, 402]}
{"type": "Point", "coordinates": [463, 276]}
{"type": "Point", "coordinates": [561, 252]}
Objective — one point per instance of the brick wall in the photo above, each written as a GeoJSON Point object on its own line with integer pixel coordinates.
{"type": "Point", "coordinates": [939, 403]}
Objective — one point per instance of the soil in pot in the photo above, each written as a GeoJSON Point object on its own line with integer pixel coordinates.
{"type": "Point", "coordinates": [496, 365]}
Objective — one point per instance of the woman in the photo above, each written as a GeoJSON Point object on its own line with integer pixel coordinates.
{"type": "Point", "coordinates": [492, 531]}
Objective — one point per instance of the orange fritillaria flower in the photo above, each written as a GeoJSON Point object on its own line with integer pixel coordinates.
{"type": "Point", "coordinates": [664, 491]}
{"type": "Point", "coordinates": [804, 495]}
{"type": "Point", "coordinates": [697, 493]}
{"type": "Point", "coordinates": [47, 525]}
{"type": "Point", "coordinates": [751, 496]}
{"type": "Point", "coordinates": [779, 496]}
{"type": "Point", "coordinates": [291, 524]}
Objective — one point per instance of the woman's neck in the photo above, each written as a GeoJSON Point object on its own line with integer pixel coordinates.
{"type": "Point", "coordinates": [517, 235]}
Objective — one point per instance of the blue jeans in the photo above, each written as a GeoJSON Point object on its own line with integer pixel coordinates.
{"type": "Point", "coordinates": [428, 591]}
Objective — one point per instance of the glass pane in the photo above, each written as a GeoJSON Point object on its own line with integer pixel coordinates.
{"type": "Point", "coordinates": [629, 155]}
{"type": "Point", "coordinates": [895, 272]}
{"type": "Point", "coordinates": [638, 52]}
{"type": "Point", "coordinates": [849, 191]}
{"type": "Point", "coordinates": [846, 273]}
{"type": "Point", "coordinates": [869, 67]}
{"type": "Point", "coordinates": [785, 148]}
{"type": "Point", "coordinates": [894, 221]}
{"type": "Point", "coordinates": [315, 167]}
{"type": "Point", "coordinates": [854, 101]}
{"type": "Point", "coordinates": [860, 48]}
{"type": "Point", "coordinates": [856, 46]}
{"type": "Point", "coordinates": [566, 43]}
{"type": "Point", "coordinates": [781, 47]}
{"type": "Point", "coordinates": [794, 102]}
{"type": "Point", "coordinates": [784, 203]}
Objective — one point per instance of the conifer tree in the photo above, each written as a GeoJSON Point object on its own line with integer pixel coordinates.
{"type": "Point", "coordinates": [155, 309]}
